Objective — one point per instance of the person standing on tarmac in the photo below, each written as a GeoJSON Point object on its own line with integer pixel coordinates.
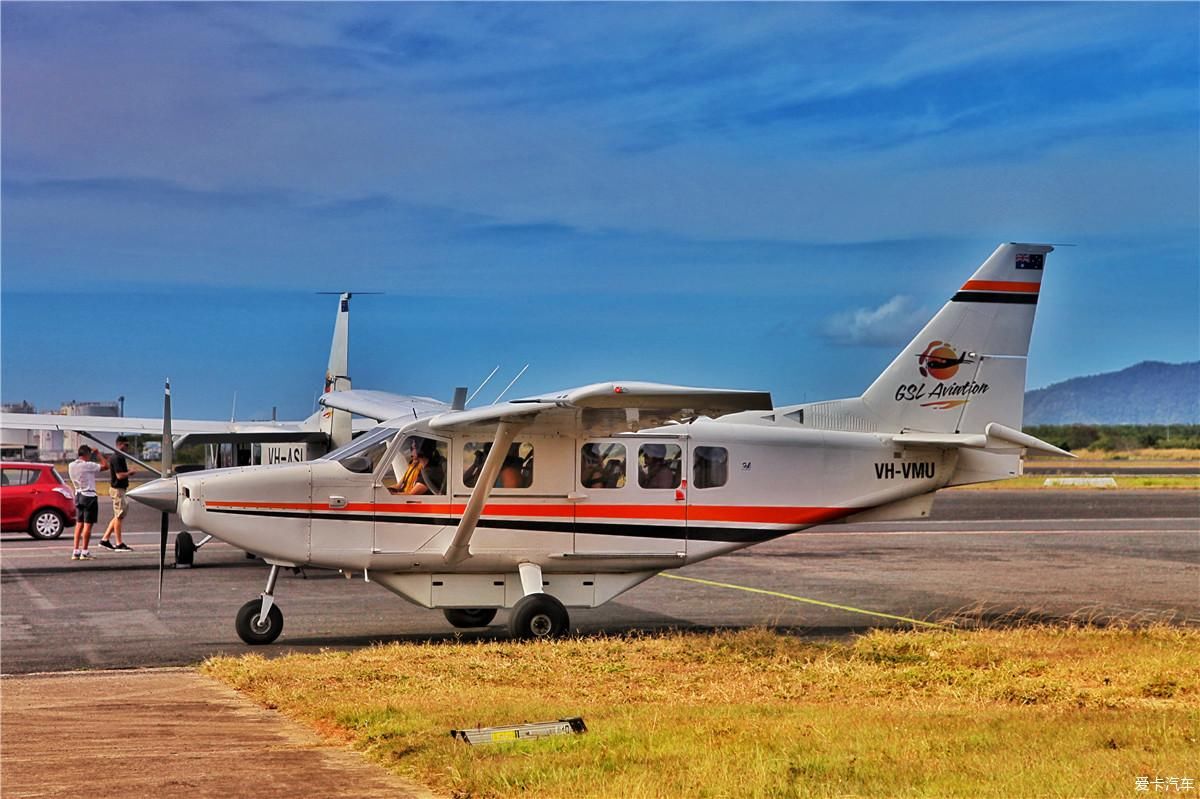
{"type": "Point", "coordinates": [83, 471]}
{"type": "Point", "coordinates": [118, 472]}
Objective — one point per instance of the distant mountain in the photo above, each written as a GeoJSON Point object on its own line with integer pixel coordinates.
{"type": "Point", "coordinates": [1150, 392]}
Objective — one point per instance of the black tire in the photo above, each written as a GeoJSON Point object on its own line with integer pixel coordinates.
{"type": "Point", "coordinates": [47, 523]}
{"type": "Point", "coordinates": [185, 549]}
{"type": "Point", "coordinates": [466, 618]}
{"type": "Point", "coordinates": [251, 630]}
{"type": "Point", "coordinates": [538, 616]}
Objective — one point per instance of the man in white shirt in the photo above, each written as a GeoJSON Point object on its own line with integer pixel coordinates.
{"type": "Point", "coordinates": [83, 471]}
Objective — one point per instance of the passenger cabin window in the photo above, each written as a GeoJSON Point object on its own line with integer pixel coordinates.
{"type": "Point", "coordinates": [418, 467]}
{"type": "Point", "coordinates": [710, 467]}
{"type": "Point", "coordinates": [659, 465]}
{"type": "Point", "coordinates": [363, 453]}
{"type": "Point", "coordinates": [602, 466]}
{"type": "Point", "coordinates": [515, 472]}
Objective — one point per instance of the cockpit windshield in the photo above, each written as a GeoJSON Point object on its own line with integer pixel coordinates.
{"type": "Point", "coordinates": [363, 453]}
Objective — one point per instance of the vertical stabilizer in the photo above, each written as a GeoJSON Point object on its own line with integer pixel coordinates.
{"type": "Point", "coordinates": [336, 424]}
{"type": "Point", "coordinates": [966, 368]}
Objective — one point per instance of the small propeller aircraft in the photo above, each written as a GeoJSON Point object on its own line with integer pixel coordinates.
{"type": "Point", "coordinates": [570, 498]}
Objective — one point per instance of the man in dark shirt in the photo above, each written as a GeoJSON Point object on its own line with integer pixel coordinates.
{"type": "Point", "coordinates": [118, 472]}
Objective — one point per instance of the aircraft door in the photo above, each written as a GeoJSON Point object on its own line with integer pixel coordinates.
{"type": "Point", "coordinates": [342, 534]}
{"type": "Point", "coordinates": [410, 496]}
{"type": "Point", "coordinates": [630, 496]}
{"type": "Point", "coordinates": [710, 496]}
{"type": "Point", "coordinates": [529, 509]}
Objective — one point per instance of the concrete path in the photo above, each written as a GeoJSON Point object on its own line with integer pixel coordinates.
{"type": "Point", "coordinates": [166, 733]}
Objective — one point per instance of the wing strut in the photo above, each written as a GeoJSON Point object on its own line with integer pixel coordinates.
{"type": "Point", "coordinates": [460, 546]}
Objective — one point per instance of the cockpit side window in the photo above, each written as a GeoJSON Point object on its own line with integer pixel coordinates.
{"type": "Point", "coordinates": [515, 472]}
{"type": "Point", "coordinates": [418, 467]}
{"type": "Point", "coordinates": [363, 453]}
{"type": "Point", "coordinates": [602, 465]}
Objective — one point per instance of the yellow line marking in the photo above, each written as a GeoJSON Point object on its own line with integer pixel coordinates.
{"type": "Point", "coordinates": [794, 598]}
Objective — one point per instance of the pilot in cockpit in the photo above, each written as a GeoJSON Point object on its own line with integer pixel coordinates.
{"type": "Point", "coordinates": [426, 473]}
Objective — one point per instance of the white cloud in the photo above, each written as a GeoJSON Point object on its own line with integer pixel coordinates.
{"type": "Point", "coordinates": [892, 324]}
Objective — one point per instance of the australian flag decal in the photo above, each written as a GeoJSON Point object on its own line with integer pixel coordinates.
{"type": "Point", "coordinates": [1033, 260]}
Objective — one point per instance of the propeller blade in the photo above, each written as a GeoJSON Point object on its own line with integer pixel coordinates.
{"type": "Point", "coordinates": [168, 467]}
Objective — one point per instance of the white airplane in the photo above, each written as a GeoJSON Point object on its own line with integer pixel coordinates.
{"type": "Point", "coordinates": [569, 499]}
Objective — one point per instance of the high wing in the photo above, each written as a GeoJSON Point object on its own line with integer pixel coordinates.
{"type": "Point", "coordinates": [608, 407]}
{"type": "Point", "coordinates": [383, 405]}
{"type": "Point", "coordinates": [196, 431]}
{"type": "Point", "coordinates": [589, 410]}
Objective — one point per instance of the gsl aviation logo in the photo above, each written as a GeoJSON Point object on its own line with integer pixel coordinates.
{"type": "Point", "coordinates": [940, 361]}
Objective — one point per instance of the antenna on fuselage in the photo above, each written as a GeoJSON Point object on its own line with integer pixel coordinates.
{"type": "Point", "coordinates": [481, 385]}
{"type": "Point", "coordinates": [510, 385]}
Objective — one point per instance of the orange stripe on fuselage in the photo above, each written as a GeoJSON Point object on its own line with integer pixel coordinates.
{"type": "Point", "coordinates": [674, 513]}
{"type": "Point", "coordinates": [1001, 285]}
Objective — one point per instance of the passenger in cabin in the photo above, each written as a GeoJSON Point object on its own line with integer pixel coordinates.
{"type": "Point", "coordinates": [591, 468]}
{"type": "Point", "coordinates": [511, 474]}
{"type": "Point", "coordinates": [656, 471]}
{"type": "Point", "coordinates": [602, 466]}
{"type": "Point", "coordinates": [426, 474]}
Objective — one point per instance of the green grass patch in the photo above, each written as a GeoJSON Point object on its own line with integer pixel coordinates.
{"type": "Point", "coordinates": [1027, 711]}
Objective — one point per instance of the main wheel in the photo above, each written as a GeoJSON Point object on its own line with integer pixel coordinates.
{"type": "Point", "coordinates": [538, 616]}
{"type": "Point", "coordinates": [253, 629]}
{"type": "Point", "coordinates": [47, 523]}
{"type": "Point", "coordinates": [185, 549]}
{"type": "Point", "coordinates": [465, 618]}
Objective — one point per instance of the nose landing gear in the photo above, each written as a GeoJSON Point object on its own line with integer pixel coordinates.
{"type": "Point", "coordinates": [260, 621]}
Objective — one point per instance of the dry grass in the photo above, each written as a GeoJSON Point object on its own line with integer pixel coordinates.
{"type": "Point", "coordinates": [1027, 711]}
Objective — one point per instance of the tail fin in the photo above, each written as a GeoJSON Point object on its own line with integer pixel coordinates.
{"type": "Point", "coordinates": [334, 423]}
{"type": "Point", "coordinates": [966, 368]}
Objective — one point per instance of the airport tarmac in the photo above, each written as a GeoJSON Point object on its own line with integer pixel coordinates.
{"type": "Point", "coordinates": [989, 554]}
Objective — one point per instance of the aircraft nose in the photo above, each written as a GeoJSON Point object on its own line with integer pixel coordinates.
{"type": "Point", "coordinates": [161, 494]}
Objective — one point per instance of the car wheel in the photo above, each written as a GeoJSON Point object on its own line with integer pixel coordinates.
{"type": "Point", "coordinates": [47, 523]}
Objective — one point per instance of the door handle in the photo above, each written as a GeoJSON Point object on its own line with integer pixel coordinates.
{"type": "Point", "coordinates": [337, 502]}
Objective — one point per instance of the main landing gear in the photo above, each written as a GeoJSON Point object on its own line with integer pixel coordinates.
{"type": "Point", "coordinates": [260, 621]}
{"type": "Point", "coordinates": [537, 614]}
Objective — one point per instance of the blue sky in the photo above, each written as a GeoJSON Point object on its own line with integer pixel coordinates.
{"type": "Point", "coordinates": [741, 195]}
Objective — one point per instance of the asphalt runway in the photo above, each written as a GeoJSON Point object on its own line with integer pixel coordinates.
{"type": "Point", "coordinates": [988, 556]}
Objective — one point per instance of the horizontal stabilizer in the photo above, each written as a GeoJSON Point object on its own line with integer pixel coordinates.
{"type": "Point", "coordinates": [995, 436]}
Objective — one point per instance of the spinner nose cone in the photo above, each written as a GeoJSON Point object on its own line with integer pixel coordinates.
{"type": "Point", "coordinates": [161, 494]}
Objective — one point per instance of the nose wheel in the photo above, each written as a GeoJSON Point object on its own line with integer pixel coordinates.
{"type": "Point", "coordinates": [260, 621]}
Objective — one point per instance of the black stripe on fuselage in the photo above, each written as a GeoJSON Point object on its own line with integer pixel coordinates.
{"type": "Point", "coordinates": [990, 296]}
{"type": "Point", "coordinates": [731, 534]}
